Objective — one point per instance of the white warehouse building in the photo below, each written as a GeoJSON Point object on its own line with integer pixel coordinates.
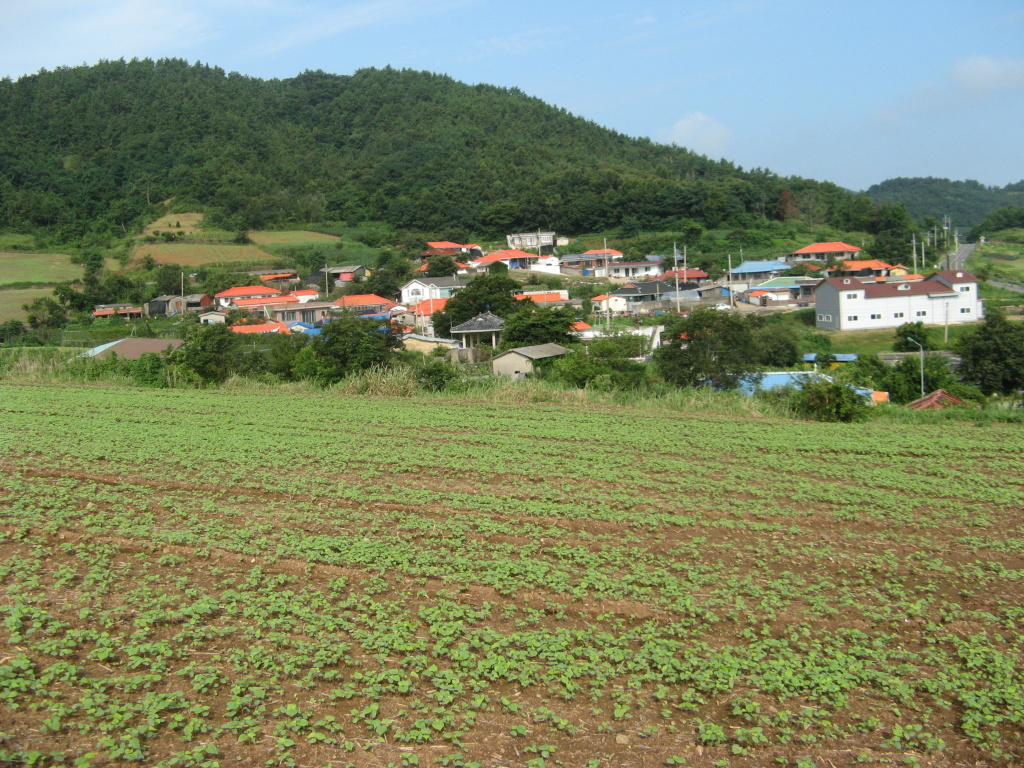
{"type": "Point", "coordinates": [847, 304]}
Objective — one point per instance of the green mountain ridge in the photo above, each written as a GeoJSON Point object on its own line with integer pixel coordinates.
{"type": "Point", "coordinates": [967, 203]}
{"type": "Point", "coordinates": [87, 152]}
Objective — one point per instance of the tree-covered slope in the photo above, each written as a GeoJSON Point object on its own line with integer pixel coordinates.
{"type": "Point", "coordinates": [965, 202]}
{"type": "Point", "coordinates": [92, 148]}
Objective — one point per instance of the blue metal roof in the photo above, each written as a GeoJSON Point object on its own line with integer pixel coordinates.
{"type": "Point", "coordinates": [754, 267]}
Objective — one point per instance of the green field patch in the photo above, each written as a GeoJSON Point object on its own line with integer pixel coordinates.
{"type": "Point", "coordinates": [12, 300]}
{"type": "Point", "coordinates": [198, 254]}
{"type": "Point", "coordinates": [178, 223]}
{"type": "Point", "coordinates": [21, 267]}
{"type": "Point", "coordinates": [290, 238]}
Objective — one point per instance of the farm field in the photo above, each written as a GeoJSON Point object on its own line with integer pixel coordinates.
{"type": "Point", "coordinates": [290, 238]}
{"type": "Point", "coordinates": [1003, 254]}
{"type": "Point", "coordinates": [12, 300]}
{"type": "Point", "coordinates": [197, 254]}
{"type": "Point", "coordinates": [194, 577]}
{"type": "Point", "coordinates": [22, 267]}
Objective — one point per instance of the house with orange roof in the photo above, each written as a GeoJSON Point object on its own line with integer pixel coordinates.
{"type": "Point", "coordinates": [846, 303]}
{"type": "Point", "coordinates": [863, 268]}
{"type": "Point", "coordinates": [224, 298]}
{"type": "Point", "coordinates": [123, 310]}
{"type": "Point", "coordinates": [257, 304]}
{"type": "Point", "coordinates": [423, 315]}
{"type": "Point", "coordinates": [543, 297]}
{"type": "Point", "coordinates": [364, 304]}
{"type": "Point", "coordinates": [513, 259]}
{"type": "Point", "coordinates": [823, 252]}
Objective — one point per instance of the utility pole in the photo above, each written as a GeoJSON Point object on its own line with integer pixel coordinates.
{"type": "Point", "coordinates": [729, 282]}
{"type": "Point", "coordinates": [913, 242]}
{"type": "Point", "coordinates": [675, 267]}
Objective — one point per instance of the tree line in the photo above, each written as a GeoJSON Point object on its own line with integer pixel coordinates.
{"type": "Point", "coordinates": [87, 153]}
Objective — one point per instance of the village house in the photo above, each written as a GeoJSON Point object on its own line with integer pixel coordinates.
{"type": "Point", "coordinates": [544, 240]}
{"type": "Point", "coordinates": [423, 288]}
{"type": "Point", "coordinates": [364, 304]}
{"type": "Point", "coordinates": [633, 270]}
{"type": "Point", "coordinates": [225, 298]}
{"type": "Point", "coordinates": [513, 259]}
{"type": "Point", "coordinates": [846, 303]}
{"type": "Point", "coordinates": [754, 272]}
{"type": "Point", "coordinates": [823, 252]}
{"type": "Point", "coordinates": [163, 306]}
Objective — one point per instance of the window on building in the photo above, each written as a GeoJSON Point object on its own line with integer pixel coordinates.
{"type": "Point", "coordinates": [897, 315]}
{"type": "Point", "coordinates": [965, 310]}
{"type": "Point", "coordinates": [876, 317]}
{"type": "Point", "coordinates": [821, 317]}
{"type": "Point", "coordinates": [851, 295]}
{"type": "Point", "coordinates": [921, 313]}
{"type": "Point", "coordinates": [964, 288]}
{"type": "Point", "coordinates": [851, 318]}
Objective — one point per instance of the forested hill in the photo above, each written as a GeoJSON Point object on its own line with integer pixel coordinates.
{"type": "Point", "coordinates": [967, 203]}
{"type": "Point", "coordinates": [92, 148]}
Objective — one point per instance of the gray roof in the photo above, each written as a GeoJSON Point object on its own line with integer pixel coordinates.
{"type": "Point", "coordinates": [165, 297]}
{"type": "Point", "coordinates": [652, 288]}
{"type": "Point", "coordinates": [450, 281]}
{"type": "Point", "coordinates": [536, 352]}
{"type": "Point", "coordinates": [482, 322]}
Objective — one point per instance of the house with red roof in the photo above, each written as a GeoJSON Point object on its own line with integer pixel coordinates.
{"type": "Point", "coordinates": [270, 327]}
{"type": "Point", "coordinates": [846, 303]}
{"type": "Point", "coordinates": [689, 275]}
{"type": "Point", "coordinates": [224, 298]}
{"type": "Point", "coordinates": [823, 252]}
{"type": "Point", "coordinates": [861, 268]}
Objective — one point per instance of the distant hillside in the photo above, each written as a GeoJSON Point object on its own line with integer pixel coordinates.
{"type": "Point", "coordinates": [88, 151]}
{"type": "Point", "coordinates": [967, 203]}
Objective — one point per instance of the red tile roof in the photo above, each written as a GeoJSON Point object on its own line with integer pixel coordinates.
{"type": "Point", "coordinates": [445, 244]}
{"type": "Point", "coordinates": [505, 255]}
{"type": "Point", "coordinates": [247, 291]}
{"type": "Point", "coordinates": [865, 264]}
{"type": "Point", "coordinates": [603, 252]}
{"type": "Point", "coordinates": [602, 297]}
{"type": "Point", "coordinates": [579, 325]}
{"type": "Point", "coordinates": [837, 247]}
{"type": "Point", "coordinates": [540, 298]}
{"type": "Point", "coordinates": [261, 328]}
{"type": "Point", "coordinates": [363, 300]}
{"type": "Point", "coordinates": [264, 301]}
{"type": "Point", "coordinates": [429, 307]}
{"type": "Point", "coordinates": [685, 274]}
{"type": "Point", "coordinates": [277, 276]}
{"type": "Point", "coordinates": [306, 292]}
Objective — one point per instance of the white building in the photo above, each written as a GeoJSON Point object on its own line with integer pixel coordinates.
{"type": "Point", "coordinates": [847, 304]}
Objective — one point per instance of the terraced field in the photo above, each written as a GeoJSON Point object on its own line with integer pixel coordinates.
{"type": "Point", "coordinates": [202, 578]}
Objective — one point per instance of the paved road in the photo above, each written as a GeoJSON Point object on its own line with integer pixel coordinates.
{"type": "Point", "coordinates": [956, 261]}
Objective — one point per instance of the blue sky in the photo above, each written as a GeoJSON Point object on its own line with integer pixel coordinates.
{"type": "Point", "coordinates": [849, 92]}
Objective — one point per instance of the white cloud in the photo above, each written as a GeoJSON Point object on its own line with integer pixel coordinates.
{"type": "Point", "coordinates": [522, 42]}
{"type": "Point", "coordinates": [981, 75]}
{"type": "Point", "coordinates": [645, 20]}
{"type": "Point", "coordinates": [702, 134]}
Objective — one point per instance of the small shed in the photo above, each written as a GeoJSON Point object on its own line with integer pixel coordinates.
{"type": "Point", "coordinates": [520, 361]}
{"type": "Point", "coordinates": [935, 401]}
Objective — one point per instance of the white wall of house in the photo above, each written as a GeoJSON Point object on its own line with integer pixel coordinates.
{"type": "Point", "coordinates": [849, 309]}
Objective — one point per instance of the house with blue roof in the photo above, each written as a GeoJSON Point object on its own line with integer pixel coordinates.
{"type": "Point", "coordinates": [753, 272]}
